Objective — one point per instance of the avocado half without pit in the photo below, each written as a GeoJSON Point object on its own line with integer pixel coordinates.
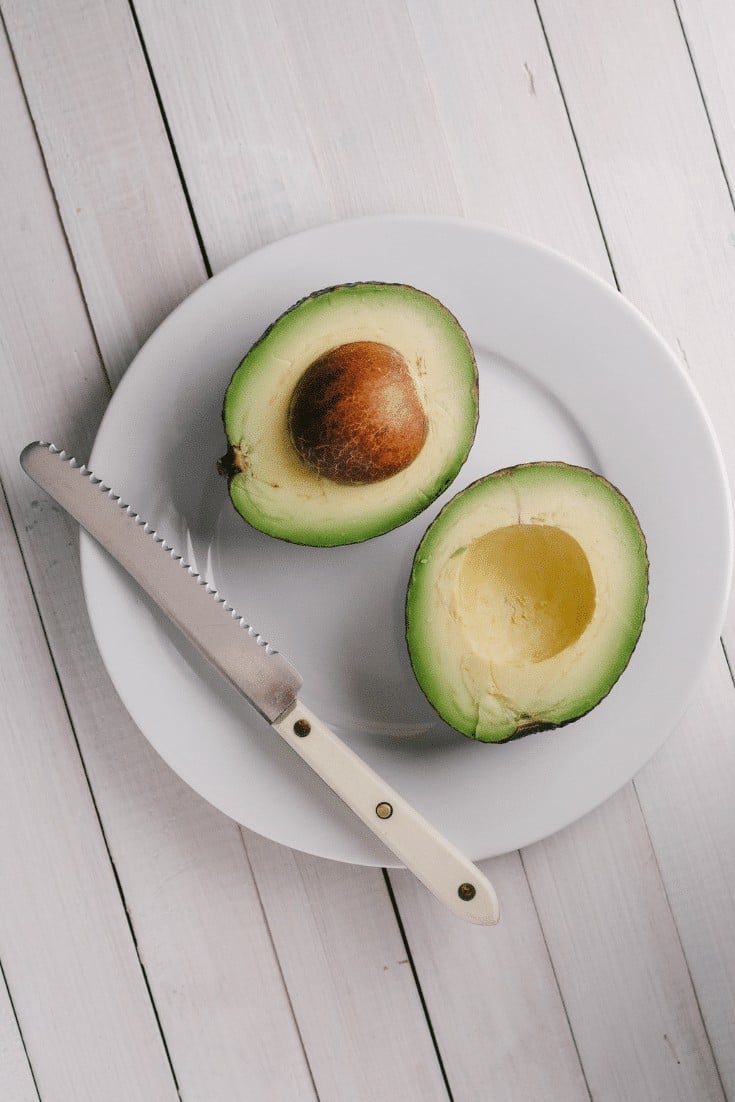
{"type": "Point", "coordinates": [350, 415]}
{"type": "Point", "coordinates": [526, 600]}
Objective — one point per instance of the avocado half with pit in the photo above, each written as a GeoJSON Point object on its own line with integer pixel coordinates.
{"type": "Point", "coordinates": [350, 415]}
{"type": "Point", "coordinates": [526, 600]}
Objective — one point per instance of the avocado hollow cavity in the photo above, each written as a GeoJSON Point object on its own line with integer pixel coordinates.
{"type": "Point", "coordinates": [526, 600]}
{"type": "Point", "coordinates": [351, 414]}
{"type": "Point", "coordinates": [525, 593]}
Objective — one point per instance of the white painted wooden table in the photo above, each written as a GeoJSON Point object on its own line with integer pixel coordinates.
{"type": "Point", "coordinates": [148, 945]}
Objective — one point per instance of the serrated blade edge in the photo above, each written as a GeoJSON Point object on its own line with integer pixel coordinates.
{"type": "Point", "coordinates": [233, 646]}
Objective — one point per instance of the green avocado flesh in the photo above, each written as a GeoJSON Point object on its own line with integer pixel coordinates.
{"type": "Point", "coordinates": [526, 600]}
{"type": "Point", "coordinates": [273, 487]}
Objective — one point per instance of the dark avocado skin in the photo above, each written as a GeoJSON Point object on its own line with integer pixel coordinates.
{"type": "Point", "coordinates": [532, 727]}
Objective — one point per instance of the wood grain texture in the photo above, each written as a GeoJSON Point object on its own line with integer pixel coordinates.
{"type": "Point", "coordinates": [356, 1046]}
{"type": "Point", "coordinates": [113, 171]}
{"type": "Point", "coordinates": [210, 63]}
{"type": "Point", "coordinates": [188, 887]}
{"type": "Point", "coordinates": [494, 1001]}
{"type": "Point", "coordinates": [709, 26]}
{"type": "Point", "coordinates": [199, 924]}
{"type": "Point", "coordinates": [295, 116]}
{"type": "Point", "coordinates": [686, 795]}
{"type": "Point", "coordinates": [67, 952]}
{"type": "Point", "coordinates": [16, 1077]}
{"type": "Point", "coordinates": [502, 117]}
{"type": "Point", "coordinates": [618, 959]}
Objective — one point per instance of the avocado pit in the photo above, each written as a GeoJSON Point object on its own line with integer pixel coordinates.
{"type": "Point", "coordinates": [356, 416]}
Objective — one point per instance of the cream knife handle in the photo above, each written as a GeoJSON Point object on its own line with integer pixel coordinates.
{"type": "Point", "coordinates": [446, 872]}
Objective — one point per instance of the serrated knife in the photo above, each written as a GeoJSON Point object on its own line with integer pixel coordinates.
{"type": "Point", "coordinates": [263, 676]}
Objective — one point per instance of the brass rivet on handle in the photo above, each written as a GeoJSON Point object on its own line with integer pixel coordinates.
{"type": "Point", "coordinates": [466, 892]}
{"type": "Point", "coordinates": [384, 811]}
{"type": "Point", "coordinates": [301, 727]}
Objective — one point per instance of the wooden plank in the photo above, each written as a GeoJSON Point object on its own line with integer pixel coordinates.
{"type": "Point", "coordinates": [494, 1001]}
{"type": "Point", "coordinates": [62, 917]}
{"type": "Point", "coordinates": [694, 839]}
{"type": "Point", "coordinates": [113, 172]}
{"type": "Point", "coordinates": [188, 887]}
{"type": "Point", "coordinates": [709, 27]}
{"type": "Point", "coordinates": [381, 1047]}
{"type": "Point", "coordinates": [16, 1077]}
{"type": "Point", "coordinates": [617, 956]}
{"type": "Point", "coordinates": [280, 116]}
{"type": "Point", "coordinates": [502, 116]}
{"type": "Point", "coordinates": [198, 919]}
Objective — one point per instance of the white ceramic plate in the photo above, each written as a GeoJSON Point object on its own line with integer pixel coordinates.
{"type": "Point", "coordinates": [568, 370]}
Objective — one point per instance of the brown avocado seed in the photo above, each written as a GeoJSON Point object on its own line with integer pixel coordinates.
{"type": "Point", "coordinates": [356, 416]}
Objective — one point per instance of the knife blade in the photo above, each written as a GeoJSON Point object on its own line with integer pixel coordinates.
{"type": "Point", "coordinates": [263, 676]}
